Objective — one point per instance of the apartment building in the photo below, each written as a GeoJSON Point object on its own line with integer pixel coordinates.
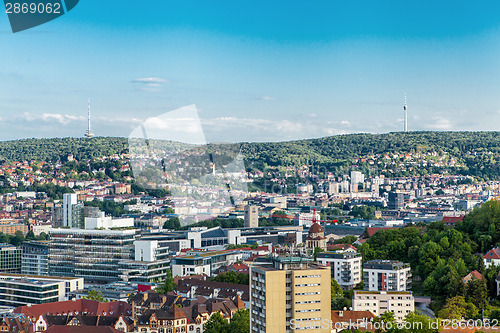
{"type": "Point", "coordinates": [289, 293]}
{"type": "Point", "coordinates": [345, 267]}
{"type": "Point", "coordinates": [386, 275]}
{"type": "Point", "coordinates": [399, 302]}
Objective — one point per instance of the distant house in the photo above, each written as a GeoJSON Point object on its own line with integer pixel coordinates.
{"type": "Point", "coordinates": [492, 257]}
{"type": "Point", "coordinates": [473, 274]}
{"type": "Point", "coordinates": [342, 320]}
{"type": "Point", "coordinates": [450, 221]}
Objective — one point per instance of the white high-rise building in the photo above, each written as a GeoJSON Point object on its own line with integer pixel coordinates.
{"type": "Point", "coordinates": [69, 200]}
{"type": "Point", "coordinates": [357, 177]}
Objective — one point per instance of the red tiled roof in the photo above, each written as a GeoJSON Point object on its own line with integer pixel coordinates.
{"type": "Point", "coordinates": [453, 219]}
{"type": "Point", "coordinates": [87, 306]}
{"type": "Point", "coordinates": [372, 231]}
{"type": "Point", "coordinates": [492, 254]}
{"type": "Point", "coordinates": [351, 316]}
{"type": "Point", "coordinates": [81, 329]}
{"type": "Point", "coordinates": [469, 276]}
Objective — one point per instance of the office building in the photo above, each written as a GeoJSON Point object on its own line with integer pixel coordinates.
{"type": "Point", "coordinates": [378, 302]}
{"type": "Point", "coordinates": [10, 259]}
{"type": "Point", "coordinates": [203, 262]}
{"type": "Point", "coordinates": [287, 293]}
{"type": "Point", "coordinates": [35, 258]}
{"type": "Point", "coordinates": [150, 264]}
{"type": "Point", "coordinates": [92, 254]}
{"type": "Point", "coordinates": [19, 290]}
{"type": "Point", "coordinates": [98, 220]}
{"type": "Point", "coordinates": [386, 275]}
{"type": "Point", "coordinates": [345, 267]}
{"type": "Point", "coordinates": [396, 200]}
{"type": "Point", "coordinates": [251, 216]}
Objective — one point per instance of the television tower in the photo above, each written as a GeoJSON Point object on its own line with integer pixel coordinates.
{"type": "Point", "coordinates": [89, 133]}
{"type": "Point", "coordinates": [406, 116]}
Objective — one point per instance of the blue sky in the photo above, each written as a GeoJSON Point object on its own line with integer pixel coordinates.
{"type": "Point", "coordinates": [257, 71]}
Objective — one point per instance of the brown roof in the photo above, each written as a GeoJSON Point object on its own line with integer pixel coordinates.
{"type": "Point", "coordinates": [81, 329]}
{"type": "Point", "coordinates": [351, 316]}
{"type": "Point", "coordinates": [80, 306]}
{"type": "Point", "coordinates": [315, 228]}
{"type": "Point", "coordinates": [472, 274]}
{"type": "Point", "coordinates": [493, 254]}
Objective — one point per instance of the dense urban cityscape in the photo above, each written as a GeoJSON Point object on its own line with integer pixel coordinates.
{"type": "Point", "coordinates": [249, 167]}
{"type": "Point", "coordinates": [84, 245]}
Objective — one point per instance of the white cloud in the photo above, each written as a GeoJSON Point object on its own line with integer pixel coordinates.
{"type": "Point", "coordinates": [267, 98]}
{"type": "Point", "coordinates": [440, 123]}
{"type": "Point", "coordinates": [63, 119]}
{"type": "Point", "coordinates": [150, 81]}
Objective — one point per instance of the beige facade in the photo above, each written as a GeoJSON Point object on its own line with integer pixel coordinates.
{"type": "Point", "coordinates": [400, 303]}
{"type": "Point", "coordinates": [289, 294]}
{"type": "Point", "coordinates": [251, 216]}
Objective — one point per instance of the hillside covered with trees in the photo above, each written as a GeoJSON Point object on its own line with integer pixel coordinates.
{"type": "Point", "coordinates": [471, 153]}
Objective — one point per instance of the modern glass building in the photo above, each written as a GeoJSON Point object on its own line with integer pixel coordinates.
{"type": "Point", "coordinates": [35, 257]}
{"type": "Point", "coordinates": [10, 258]}
{"type": "Point", "coordinates": [92, 254]}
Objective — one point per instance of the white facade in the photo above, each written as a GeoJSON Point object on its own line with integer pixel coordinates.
{"type": "Point", "coordinates": [107, 222]}
{"type": "Point", "coordinates": [357, 177]}
{"type": "Point", "coordinates": [69, 199]}
{"type": "Point", "coordinates": [305, 219]}
{"type": "Point", "coordinates": [345, 267]}
{"type": "Point", "coordinates": [400, 303]}
{"type": "Point", "coordinates": [19, 290]}
{"type": "Point", "coordinates": [386, 275]}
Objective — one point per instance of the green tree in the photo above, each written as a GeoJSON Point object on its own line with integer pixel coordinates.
{"type": "Point", "coordinates": [316, 251]}
{"type": "Point", "coordinates": [477, 292]}
{"type": "Point", "coordinates": [240, 322]}
{"type": "Point", "coordinates": [167, 285]}
{"type": "Point", "coordinates": [457, 307]}
{"type": "Point", "coordinates": [172, 223]}
{"type": "Point", "coordinates": [95, 295]}
{"type": "Point", "coordinates": [216, 324]}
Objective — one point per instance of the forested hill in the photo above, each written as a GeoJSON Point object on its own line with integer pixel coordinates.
{"type": "Point", "coordinates": [59, 148]}
{"type": "Point", "coordinates": [474, 153]}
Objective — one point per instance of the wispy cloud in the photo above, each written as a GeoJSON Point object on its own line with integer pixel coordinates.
{"type": "Point", "coordinates": [268, 98]}
{"type": "Point", "coordinates": [63, 119]}
{"type": "Point", "coordinates": [150, 81]}
{"type": "Point", "coordinates": [440, 123]}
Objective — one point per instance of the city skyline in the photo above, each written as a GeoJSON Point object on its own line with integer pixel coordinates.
{"type": "Point", "coordinates": [254, 75]}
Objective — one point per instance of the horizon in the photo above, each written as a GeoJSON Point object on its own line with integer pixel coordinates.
{"type": "Point", "coordinates": [239, 142]}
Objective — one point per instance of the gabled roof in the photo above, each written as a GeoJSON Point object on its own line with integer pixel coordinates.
{"type": "Point", "coordinates": [351, 316]}
{"type": "Point", "coordinates": [80, 306]}
{"type": "Point", "coordinates": [452, 219]}
{"type": "Point", "coordinates": [473, 274]}
{"type": "Point", "coordinates": [493, 254]}
{"type": "Point", "coordinates": [81, 329]}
